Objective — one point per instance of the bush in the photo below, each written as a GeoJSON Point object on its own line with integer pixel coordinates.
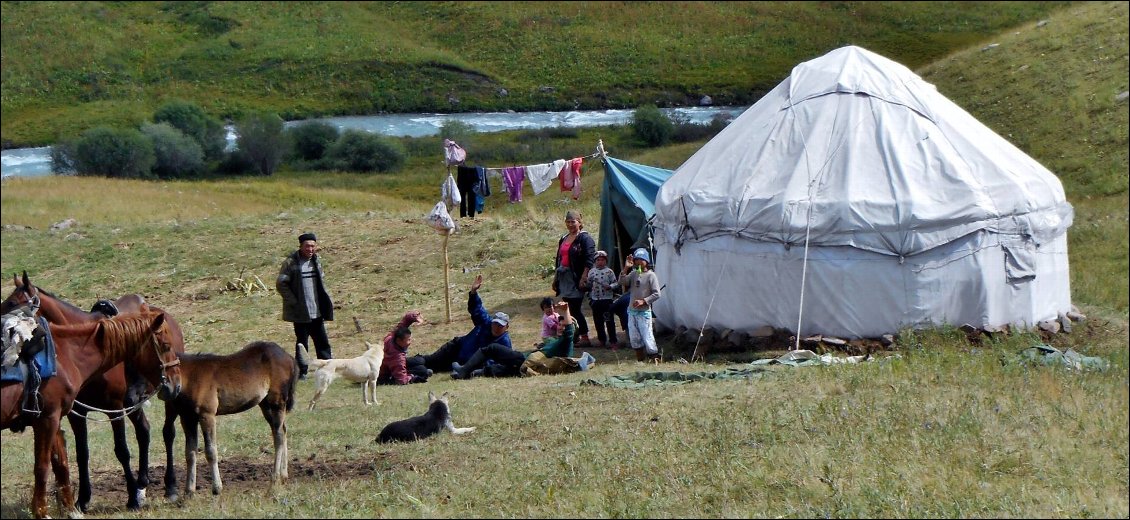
{"type": "Point", "coordinates": [457, 131]}
{"type": "Point", "coordinates": [189, 118]}
{"type": "Point", "coordinates": [262, 139]}
{"type": "Point", "coordinates": [178, 155]}
{"type": "Point", "coordinates": [651, 126]}
{"type": "Point", "coordinates": [686, 131]}
{"type": "Point", "coordinates": [114, 153]}
{"type": "Point", "coordinates": [235, 163]}
{"type": "Point", "coordinates": [311, 140]}
{"type": "Point", "coordinates": [361, 151]}
{"type": "Point", "coordinates": [63, 157]}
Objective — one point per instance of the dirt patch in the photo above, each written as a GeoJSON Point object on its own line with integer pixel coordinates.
{"type": "Point", "coordinates": [239, 474]}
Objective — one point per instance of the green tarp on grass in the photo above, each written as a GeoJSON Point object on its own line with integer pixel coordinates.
{"type": "Point", "coordinates": [645, 379]}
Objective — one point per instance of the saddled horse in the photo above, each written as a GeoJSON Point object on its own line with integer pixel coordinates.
{"type": "Point", "coordinates": [112, 391]}
{"type": "Point", "coordinates": [261, 373]}
{"type": "Point", "coordinates": [82, 351]}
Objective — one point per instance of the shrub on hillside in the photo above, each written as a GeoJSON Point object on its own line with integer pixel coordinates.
{"type": "Point", "coordinates": [178, 155]}
{"type": "Point", "coordinates": [361, 151]}
{"type": "Point", "coordinates": [112, 152]}
{"type": "Point", "coordinates": [651, 126]}
{"type": "Point", "coordinates": [312, 139]}
{"type": "Point", "coordinates": [189, 118]}
{"type": "Point", "coordinates": [686, 131]}
{"type": "Point", "coordinates": [63, 157]}
{"type": "Point", "coordinates": [235, 163]}
{"type": "Point", "coordinates": [457, 131]}
{"type": "Point", "coordinates": [262, 139]}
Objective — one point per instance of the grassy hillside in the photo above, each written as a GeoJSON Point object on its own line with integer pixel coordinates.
{"type": "Point", "coordinates": [69, 66]}
{"type": "Point", "coordinates": [940, 427]}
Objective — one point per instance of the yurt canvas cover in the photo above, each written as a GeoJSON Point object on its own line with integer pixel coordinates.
{"type": "Point", "coordinates": [854, 200]}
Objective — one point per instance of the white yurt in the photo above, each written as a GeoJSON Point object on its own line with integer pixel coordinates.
{"type": "Point", "coordinates": [854, 200]}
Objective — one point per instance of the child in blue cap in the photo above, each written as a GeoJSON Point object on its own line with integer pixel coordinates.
{"type": "Point", "coordinates": [641, 282]}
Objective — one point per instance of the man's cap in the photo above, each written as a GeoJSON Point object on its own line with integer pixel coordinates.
{"type": "Point", "coordinates": [306, 236]}
{"type": "Point", "coordinates": [641, 254]}
{"type": "Point", "coordinates": [501, 318]}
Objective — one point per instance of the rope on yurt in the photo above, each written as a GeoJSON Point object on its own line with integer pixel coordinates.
{"type": "Point", "coordinates": [721, 273]}
{"type": "Point", "coordinates": [812, 180]}
{"type": "Point", "coordinates": [807, 235]}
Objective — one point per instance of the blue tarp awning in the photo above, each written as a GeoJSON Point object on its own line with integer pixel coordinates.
{"type": "Point", "coordinates": [627, 202]}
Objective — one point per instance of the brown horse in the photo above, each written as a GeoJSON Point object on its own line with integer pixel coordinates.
{"type": "Point", "coordinates": [83, 350]}
{"type": "Point", "coordinates": [110, 391]}
{"type": "Point", "coordinates": [262, 373]}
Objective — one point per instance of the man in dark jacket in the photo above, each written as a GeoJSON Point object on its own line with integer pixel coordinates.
{"type": "Point", "coordinates": [490, 329]}
{"type": "Point", "coordinates": [305, 300]}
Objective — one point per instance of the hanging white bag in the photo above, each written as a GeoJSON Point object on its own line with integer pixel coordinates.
{"type": "Point", "coordinates": [440, 220]}
{"type": "Point", "coordinates": [453, 153]}
{"type": "Point", "coordinates": [449, 192]}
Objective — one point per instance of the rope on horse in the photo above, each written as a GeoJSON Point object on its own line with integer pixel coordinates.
{"type": "Point", "coordinates": [123, 411]}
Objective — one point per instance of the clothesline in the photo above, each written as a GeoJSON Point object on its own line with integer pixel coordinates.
{"type": "Point", "coordinates": [541, 176]}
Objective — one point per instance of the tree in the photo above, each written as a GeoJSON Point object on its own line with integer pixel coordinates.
{"type": "Point", "coordinates": [456, 130]}
{"type": "Point", "coordinates": [178, 156]}
{"type": "Point", "coordinates": [114, 152]}
{"type": "Point", "coordinates": [189, 118]}
{"type": "Point", "coordinates": [311, 140]}
{"type": "Point", "coordinates": [363, 152]}
{"type": "Point", "coordinates": [261, 137]}
{"type": "Point", "coordinates": [651, 126]}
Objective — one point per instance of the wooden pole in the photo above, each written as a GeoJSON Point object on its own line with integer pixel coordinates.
{"type": "Point", "coordinates": [446, 285]}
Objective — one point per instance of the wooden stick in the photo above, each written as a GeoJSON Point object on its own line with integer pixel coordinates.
{"type": "Point", "coordinates": [446, 285]}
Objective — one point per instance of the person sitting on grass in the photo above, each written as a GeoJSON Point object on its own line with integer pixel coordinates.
{"type": "Point", "coordinates": [550, 321]}
{"type": "Point", "coordinates": [554, 357]}
{"type": "Point", "coordinates": [490, 329]}
{"type": "Point", "coordinates": [394, 367]}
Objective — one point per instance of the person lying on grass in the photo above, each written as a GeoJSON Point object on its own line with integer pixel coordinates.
{"type": "Point", "coordinates": [553, 357]}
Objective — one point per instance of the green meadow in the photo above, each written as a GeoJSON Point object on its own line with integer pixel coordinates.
{"type": "Point", "coordinates": [938, 426]}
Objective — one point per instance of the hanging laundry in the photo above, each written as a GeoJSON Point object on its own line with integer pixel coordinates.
{"type": "Point", "coordinates": [467, 177]}
{"type": "Point", "coordinates": [541, 175]}
{"type": "Point", "coordinates": [482, 189]}
{"type": "Point", "coordinates": [570, 173]}
{"type": "Point", "coordinates": [453, 153]}
{"type": "Point", "coordinates": [513, 178]}
{"type": "Point", "coordinates": [577, 177]}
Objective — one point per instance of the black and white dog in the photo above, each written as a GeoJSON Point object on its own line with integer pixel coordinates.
{"type": "Point", "coordinates": [438, 417]}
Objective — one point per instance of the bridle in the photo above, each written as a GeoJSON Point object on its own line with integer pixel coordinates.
{"type": "Point", "coordinates": [165, 365]}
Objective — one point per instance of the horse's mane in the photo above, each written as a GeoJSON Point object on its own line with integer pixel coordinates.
{"type": "Point", "coordinates": [121, 332]}
{"type": "Point", "coordinates": [61, 301]}
{"type": "Point", "coordinates": [204, 356]}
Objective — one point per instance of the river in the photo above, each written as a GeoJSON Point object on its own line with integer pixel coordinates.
{"type": "Point", "coordinates": [30, 162]}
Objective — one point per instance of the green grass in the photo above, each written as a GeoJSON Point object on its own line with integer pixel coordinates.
{"type": "Point", "coordinates": [940, 427]}
{"type": "Point", "coordinates": [70, 66]}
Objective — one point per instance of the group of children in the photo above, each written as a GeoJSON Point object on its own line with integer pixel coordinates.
{"type": "Point", "coordinates": [642, 289]}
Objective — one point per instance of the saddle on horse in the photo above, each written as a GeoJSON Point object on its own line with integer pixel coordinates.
{"type": "Point", "coordinates": [29, 356]}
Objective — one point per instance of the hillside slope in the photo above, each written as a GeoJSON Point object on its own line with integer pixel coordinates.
{"type": "Point", "coordinates": [69, 66]}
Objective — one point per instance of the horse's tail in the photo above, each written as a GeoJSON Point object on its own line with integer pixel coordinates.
{"type": "Point", "coordinates": [293, 384]}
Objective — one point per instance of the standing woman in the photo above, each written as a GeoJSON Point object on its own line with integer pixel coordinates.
{"type": "Point", "coordinates": [576, 254]}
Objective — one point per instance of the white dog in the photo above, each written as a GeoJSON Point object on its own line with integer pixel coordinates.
{"type": "Point", "coordinates": [361, 369]}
